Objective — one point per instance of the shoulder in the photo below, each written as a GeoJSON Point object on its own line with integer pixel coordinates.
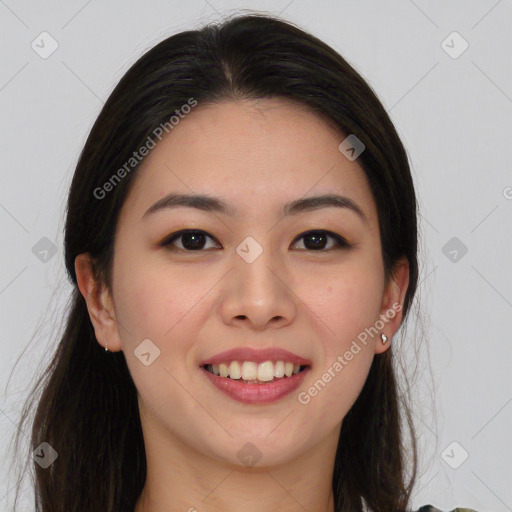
{"type": "Point", "coordinates": [430, 508]}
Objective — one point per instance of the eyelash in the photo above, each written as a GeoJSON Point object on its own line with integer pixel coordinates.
{"type": "Point", "coordinates": [341, 243]}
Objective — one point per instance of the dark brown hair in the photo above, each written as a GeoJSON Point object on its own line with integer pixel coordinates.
{"type": "Point", "coordinates": [87, 407]}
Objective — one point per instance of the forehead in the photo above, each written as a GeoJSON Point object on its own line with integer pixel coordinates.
{"type": "Point", "coordinates": [250, 153]}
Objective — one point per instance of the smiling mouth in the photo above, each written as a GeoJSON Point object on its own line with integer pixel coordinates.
{"type": "Point", "coordinates": [249, 372]}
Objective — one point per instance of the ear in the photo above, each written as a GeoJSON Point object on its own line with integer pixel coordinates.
{"type": "Point", "coordinates": [391, 313]}
{"type": "Point", "coordinates": [99, 304]}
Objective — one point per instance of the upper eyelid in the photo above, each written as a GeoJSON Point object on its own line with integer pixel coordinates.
{"type": "Point", "coordinates": [177, 234]}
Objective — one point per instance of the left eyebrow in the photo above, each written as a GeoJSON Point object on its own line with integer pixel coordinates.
{"type": "Point", "coordinates": [214, 204]}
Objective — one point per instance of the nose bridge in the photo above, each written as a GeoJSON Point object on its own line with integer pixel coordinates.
{"type": "Point", "coordinates": [257, 291]}
{"type": "Point", "coordinates": [254, 267]}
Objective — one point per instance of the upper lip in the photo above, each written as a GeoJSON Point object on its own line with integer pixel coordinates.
{"type": "Point", "coordinates": [256, 355]}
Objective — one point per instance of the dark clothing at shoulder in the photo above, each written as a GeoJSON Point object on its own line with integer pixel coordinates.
{"type": "Point", "coordinates": [430, 508]}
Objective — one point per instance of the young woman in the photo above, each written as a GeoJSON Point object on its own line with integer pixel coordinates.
{"type": "Point", "coordinates": [241, 237]}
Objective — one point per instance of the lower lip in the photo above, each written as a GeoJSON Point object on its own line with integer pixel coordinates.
{"type": "Point", "coordinates": [257, 393]}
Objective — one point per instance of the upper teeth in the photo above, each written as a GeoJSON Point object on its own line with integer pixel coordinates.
{"type": "Point", "coordinates": [248, 370]}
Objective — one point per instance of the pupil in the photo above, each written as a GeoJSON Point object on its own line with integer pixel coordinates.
{"type": "Point", "coordinates": [316, 237]}
{"type": "Point", "coordinates": [193, 240]}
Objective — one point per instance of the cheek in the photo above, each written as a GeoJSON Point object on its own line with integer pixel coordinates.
{"type": "Point", "coordinates": [347, 306]}
{"type": "Point", "coordinates": [144, 305]}
{"type": "Point", "coordinates": [350, 302]}
{"type": "Point", "coordinates": [152, 299]}
{"type": "Point", "coordinates": [156, 305]}
{"type": "Point", "coordinates": [163, 304]}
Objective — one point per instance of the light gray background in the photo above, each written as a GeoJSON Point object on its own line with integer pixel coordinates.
{"type": "Point", "coordinates": [453, 115]}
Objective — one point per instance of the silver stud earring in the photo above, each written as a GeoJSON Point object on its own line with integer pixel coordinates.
{"type": "Point", "coordinates": [106, 346]}
{"type": "Point", "coordinates": [384, 339]}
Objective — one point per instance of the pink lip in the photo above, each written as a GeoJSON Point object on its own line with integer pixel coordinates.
{"type": "Point", "coordinates": [257, 393]}
{"type": "Point", "coordinates": [257, 356]}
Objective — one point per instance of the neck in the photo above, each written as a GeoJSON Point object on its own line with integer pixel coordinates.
{"type": "Point", "coordinates": [180, 478]}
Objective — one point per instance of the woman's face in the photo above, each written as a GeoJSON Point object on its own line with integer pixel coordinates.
{"type": "Point", "coordinates": [249, 279]}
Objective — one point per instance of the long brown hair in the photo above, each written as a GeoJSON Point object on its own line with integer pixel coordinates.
{"type": "Point", "coordinates": [86, 399]}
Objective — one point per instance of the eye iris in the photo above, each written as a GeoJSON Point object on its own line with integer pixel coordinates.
{"type": "Point", "coordinates": [193, 240]}
{"type": "Point", "coordinates": [318, 238]}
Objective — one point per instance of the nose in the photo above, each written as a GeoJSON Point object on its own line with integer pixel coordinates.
{"type": "Point", "coordinates": [259, 295]}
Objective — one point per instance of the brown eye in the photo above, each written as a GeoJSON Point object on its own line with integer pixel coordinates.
{"type": "Point", "coordinates": [191, 240]}
{"type": "Point", "coordinates": [316, 240]}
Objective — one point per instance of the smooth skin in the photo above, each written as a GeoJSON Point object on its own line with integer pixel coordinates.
{"type": "Point", "coordinates": [256, 156]}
